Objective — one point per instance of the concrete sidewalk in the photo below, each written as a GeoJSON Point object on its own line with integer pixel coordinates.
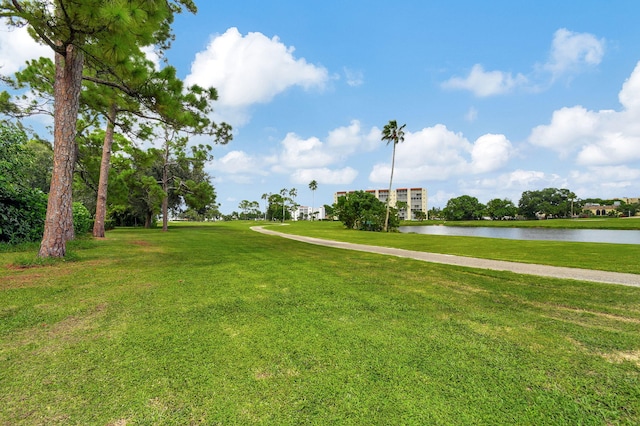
{"type": "Point", "coordinates": [472, 262]}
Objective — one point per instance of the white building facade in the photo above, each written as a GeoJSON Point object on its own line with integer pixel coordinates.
{"type": "Point", "coordinates": [305, 213]}
{"type": "Point", "coordinates": [415, 199]}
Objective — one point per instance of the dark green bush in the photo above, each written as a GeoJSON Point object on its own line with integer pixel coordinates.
{"type": "Point", "coordinates": [82, 221]}
{"type": "Point", "coordinates": [363, 211]}
{"type": "Point", "coordinates": [22, 213]}
{"type": "Point", "coordinates": [22, 208]}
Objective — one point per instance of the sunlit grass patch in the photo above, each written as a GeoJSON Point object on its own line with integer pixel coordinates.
{"type": "Point", "coordinates": [219, 324]}
{"type": "Point", "coordinates": [600, 256]}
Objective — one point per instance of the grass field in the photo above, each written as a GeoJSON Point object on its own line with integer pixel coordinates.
{"type": "Point", "coordinates": [216, 324]}
{"type": "Point", "coordinates": [601, 256]}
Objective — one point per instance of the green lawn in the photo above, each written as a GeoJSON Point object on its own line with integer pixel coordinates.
{"type": "Point", "coordinates": [216, 324]}
{"type": "Point", "coordinates": [602, 256]}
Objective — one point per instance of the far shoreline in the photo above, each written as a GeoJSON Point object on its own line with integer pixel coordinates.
{"type": "Point", "coordinates": [574, 223]}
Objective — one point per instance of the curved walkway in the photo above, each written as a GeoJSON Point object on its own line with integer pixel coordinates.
{"type": "Point", "coordinates": [472, 262]}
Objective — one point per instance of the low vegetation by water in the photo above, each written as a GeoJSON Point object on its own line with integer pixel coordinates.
{"type": "Point", "coordinates": [217, 324]}
{"type": "Point", "coordinates": [583, 223]}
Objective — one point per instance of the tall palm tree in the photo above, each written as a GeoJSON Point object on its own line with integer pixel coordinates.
{"type": "Point", "coordinates": [293, 193]}
{"type": "Point", "coordinates": [313, 185]}
{"type": "Point", "coordinates": [265, 197]}
{"type": "Point", "coordinates": [395, 134]}
{"type": "Point", "coordinates": [283, 192]}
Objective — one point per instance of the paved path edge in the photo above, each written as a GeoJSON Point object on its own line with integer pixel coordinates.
{"type": "Point", "coordinates": [606, 277]}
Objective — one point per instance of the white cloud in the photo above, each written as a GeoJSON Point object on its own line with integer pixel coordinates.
{"type": "Point", "coordinates": [435, 145]}
{"type": "Point", "coordinates": [440, 198]}
{"type": "Point", "coordinates": [525, 179]}
{"type": "Point", "coordinates": [569, 129]}
{"type": "Point", "coordinates": [17, 47]}
{"type": "Point", "coordinates": [312, 158]}
{"type": "Point", "coordinates": [490, 152]}
{"type": "Point", "coordinates": [238, 162]}
{"type": "Point", "coordinates": [349, 139]}
{"type": "Point", "coordinates": [354, 78]}
{"type": "Point", "coordinates": [437, 153]}
{"type": "Point", "coordinates": [486, 83]}
{"type": "Point", "coordinates": [611, 148]}
{"type": "Point", "coordinates": [252, 69]}
{"type": "Point", "coordinates": [152, 55]}
{"type": "Point", "coordinates": [597, 138]}
{"type": "Point", "coordinates": [629, 96]}
{"type": "Point", "coordinates": [510, 185]}
{"type": "Point", "coordinates": [344, 176]}
{"type": "Point", "coordinates": [302, 153]}
{"type": "Point", "coordinates": [606, 181]}
{"type": "Point", "coordinates": [303, 159]}
{"type": "Point", "coordinates": [624, 175]}
{"type": "Point", "coordinates": [571, 52]}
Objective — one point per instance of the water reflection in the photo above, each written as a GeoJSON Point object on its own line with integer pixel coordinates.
{"type": "Point", "coordinates": [576, 235]}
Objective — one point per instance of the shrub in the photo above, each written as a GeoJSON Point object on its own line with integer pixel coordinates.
{"type": "Point", "coordinates": [22, 214]}
{"type": "Point", "coordinates": [82, 221]}
{"type": "Point", "coordinates": [363, 211]}
{"type": "Point", "coordinates": [22, 208]}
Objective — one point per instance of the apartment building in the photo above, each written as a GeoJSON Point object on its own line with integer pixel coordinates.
{"type": "Point", "coordinates": [304, 213]}
{"type": "Point", "coordinates": [415, 199]}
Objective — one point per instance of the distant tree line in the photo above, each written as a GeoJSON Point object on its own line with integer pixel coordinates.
{"type": "Point", "coordinates": [278, 207]}
{"type": "Point", "coordinates": [547, 203]}
{"type": "Point", "coordinates": [363, 211]}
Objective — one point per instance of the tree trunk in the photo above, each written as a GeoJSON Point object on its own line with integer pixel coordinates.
{"type": "Point", "coordinates": [58, 226]}
{"type": "Point", "coordinates": [165, 188]}
{"type": "Point", "coordinates": [165, 210]}
{"type": "Point", "coordinates": [101, 202]}
{"type": "Point", "coordinates": [393, 162]}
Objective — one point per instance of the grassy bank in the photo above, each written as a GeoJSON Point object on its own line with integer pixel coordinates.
{"type": "Point", "coordinates": [601, 256]}
{"type": "Point", "coordinates": [586, 223]}
{"type": "Point", "coordinates": [220, 325]}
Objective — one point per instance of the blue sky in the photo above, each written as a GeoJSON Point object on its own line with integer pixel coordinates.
{"type": "Point", "coordinates": [498, 97]}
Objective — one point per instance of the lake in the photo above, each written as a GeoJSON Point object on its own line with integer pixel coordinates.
{"type": "Point", "coordinates": [576, 235]}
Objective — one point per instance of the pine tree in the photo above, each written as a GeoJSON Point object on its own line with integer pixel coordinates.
{"type": "Point", "coordinates": [93, 35]}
